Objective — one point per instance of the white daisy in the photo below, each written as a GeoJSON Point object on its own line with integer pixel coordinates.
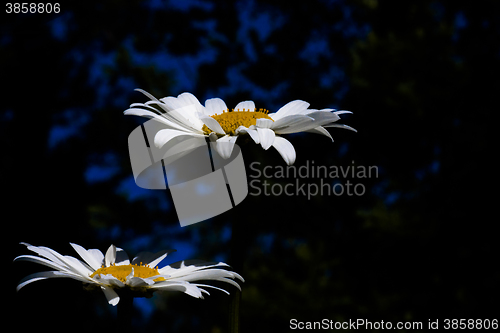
{"type": "Point", "coordinates": [185, 116]}
{"type": "Point", "coordinates": [114, 271]}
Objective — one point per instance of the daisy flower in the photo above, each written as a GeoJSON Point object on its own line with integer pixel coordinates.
{"type": "Point", "coordinates": [114, 271]}
{"type": "Point", "coordinates": [185, 116]}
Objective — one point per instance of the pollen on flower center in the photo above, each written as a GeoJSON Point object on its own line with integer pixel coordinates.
{"type": "Point", "coordinates": [122, 271]}
{"type": "Point", "coordinates": [231, 120]}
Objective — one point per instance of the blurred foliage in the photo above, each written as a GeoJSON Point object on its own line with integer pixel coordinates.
{"type": "Point", "coordinates": [420, 76]}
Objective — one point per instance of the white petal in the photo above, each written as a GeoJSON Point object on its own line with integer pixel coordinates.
{"type": "Point", "coordinates": [140, 112]}
{"type": "Point", "coordinates": [341, 126]}
{"type": "Point", "coordinates": [250, 131]}
{"type": "Point", "coordinates": [185, 287]}
{"type": "Point", "coordinates": [342, 112]}
{"type": "Point", "coordinates": [110, 257]}
{"type": "Point", "coordinates": [320, 130]}
{"type": "Point", "coordinates": [69, 263]}
{"type": "Point", "coordinates": [139, 282]}
{"type": "Point", "coordinates": [209, 286]}
{"type": "Point", "coordinates": [193, 290]}
{"type": "Point", "coordinates": [89, 258]}
{"type": "Point", "coordinates": [288, 121]}
{"type": "Point", "coordinates": [121, 257]}
{"type": "Point", "coordinates": [78, 266]}
{"type": "Point", "coordinates": [206, 292]}
{"type": "Point", "coordinates": [146, 93]}
{"type": "Point", "coordinates": [285, 148]}
{"type": "Point", "coordinates": [264, 123]}
{"type": "Point", "coordinates": [224, 146]}
{"type": "Point", "coordinates": [322, 117]}
{"type": "Point", "coordinates": [190, 99]}
{"type": "Point", "coordinates": [111, 295]}
{"type": "Point", "coordinates": [159, 117]}
{"type": "Point", "coordinates": [47, 275]}
{"type": "Point", "coordinates": [98, 256]}
{"type": "Point", "coordinates": [165, 135]}
{"type": "Point", "coordinates": [108, 279]}
{"type": "Point", "coordinates": [266, 137]}
{"type": "Point", "coordinates": [206, 274]}
{"type": "Point", "coordinates": [181, 101]}
{"type": "Point", "coordinates": [135, 281]}
{"type": "Point", "coordinates": [33, 278]}
{"type": "Point", "coordinates": [168, 284]}
{"type": "Point", "coordinates": [216, 274]}
{"type": "Point", "coordinates": [229, 281]}
{"type": "Point", "coordinates": [186, 103]}
{"type": "Point", "coordinates": [293, 107]}
{"type": "Point", "coordinates": [42, 261]}
{"type": "Point", "coordinates": [191, 113]}
{"type": "Point", "coordinates": [180, 116]}
{"type": "Point", "coordinates": [131, 275]}
{"type": "Point", "coordinates": [314, 110]}
{"type": "Point", "coordinates": [245, 106]}
{"type": "Point", "coordinates": [46, 253]}
{"type": "Point", "coordinates": [185, 270]}
{"type": "Point", "coordinates": [213, 124]}
{"type": "Point", "coordinates": [187, 106]}
{"type": "Point", "coordinates": [171, 103]}
{"type": "Point", "coordinates": [214, 106]}
{"type": "Point", "coordinates": [151, 259]}
{"type": "Point", "coordinates": [155, 262]}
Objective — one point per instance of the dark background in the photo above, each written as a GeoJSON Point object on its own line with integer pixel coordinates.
{"type": "Point", "coordinates": [422, 78]}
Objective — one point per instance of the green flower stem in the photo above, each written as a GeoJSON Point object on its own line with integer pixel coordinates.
{"type": "Point", "coordinates": [234, 312]}
{"type": "Point", "coordinates": [237, 259]}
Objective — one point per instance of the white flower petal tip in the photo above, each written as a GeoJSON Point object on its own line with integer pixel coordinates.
{"type": "Point", "coordinates": [342, 112]}
{"type": "Point", "coordinates": [113, 271]}
{"type": "Point", "coordinates": [245, 106]}
{"type": "Point", "coordinates": [214, 106]}
{"type": "Point", "coordinates": [111, 295]}
{"type": "Point", "coordinates": [266, 137]}
{"type": "Point", "coordinates": [285, 149]}
{"type": "Point", "coordinates": [342, 126]}
{"type": "Point", "coordinates": [321, 130]}
{"type": "Point", "coordinates": [110, 256]}
{"type": "Point", "coordinates": [146, 94]}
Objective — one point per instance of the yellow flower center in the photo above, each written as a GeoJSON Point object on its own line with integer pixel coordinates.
{"type": "Point", "coordinates": [231, 120]}
{"type": "Point", "coordinates": [122, 271]}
